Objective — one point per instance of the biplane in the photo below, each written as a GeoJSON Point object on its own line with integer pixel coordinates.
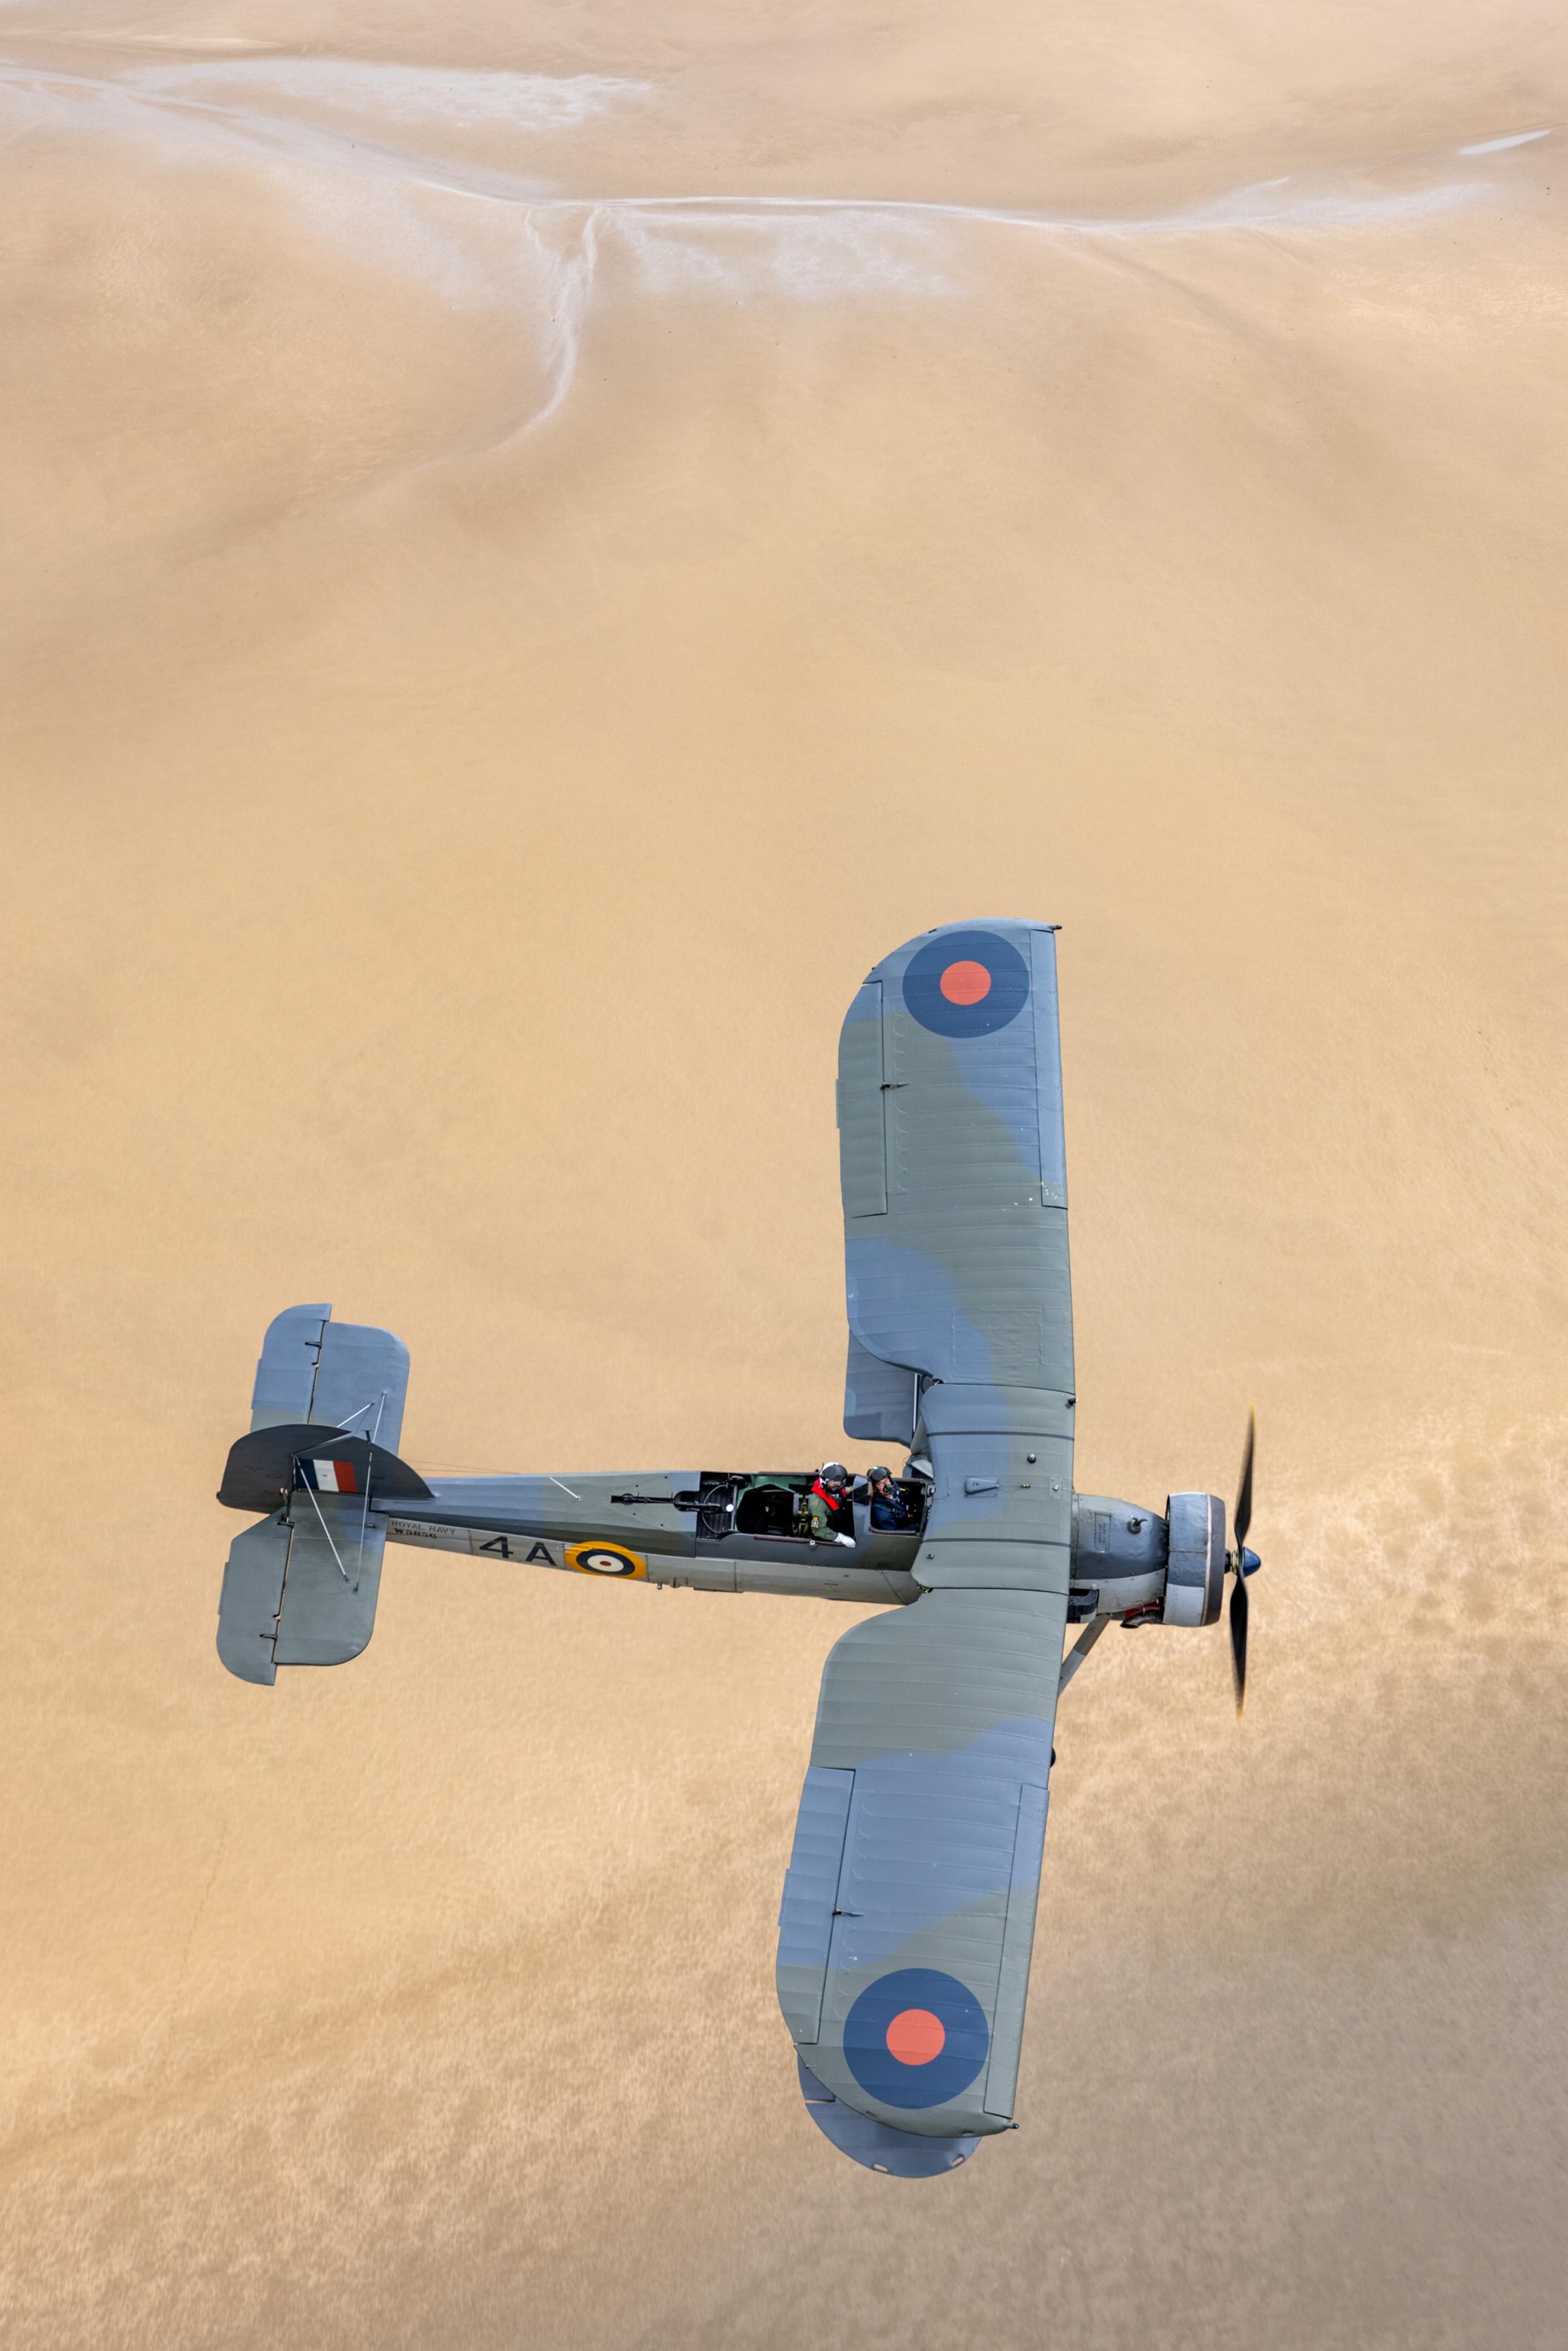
{"type": "Point", "coordinates": [908, 1913]}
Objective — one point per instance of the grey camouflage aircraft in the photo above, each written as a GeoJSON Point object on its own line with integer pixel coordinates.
{"type": "Point", "coordinates": [908, 1913]}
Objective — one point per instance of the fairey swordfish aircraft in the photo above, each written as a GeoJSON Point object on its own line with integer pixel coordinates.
{"type": "Point", "coordinates": [907, 1920]}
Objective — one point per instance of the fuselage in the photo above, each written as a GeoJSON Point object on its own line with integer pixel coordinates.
{"type": "Point", "coordinates": [674, 1527]}
{"type": "Point", "coordinates": [736, 1531]}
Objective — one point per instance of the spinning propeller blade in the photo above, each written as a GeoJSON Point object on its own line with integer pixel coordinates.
{"type": "Point", "coordinates": [1241, 1519]}
{"type": "Point", "coordinates": [1239, 1641]}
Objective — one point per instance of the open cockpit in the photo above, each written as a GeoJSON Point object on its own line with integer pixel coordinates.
{"type": "Point", "coordinates": [769, 1506]}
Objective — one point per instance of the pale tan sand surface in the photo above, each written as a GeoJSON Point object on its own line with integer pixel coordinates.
{"type": "Point", "coordinates": [495, 651]}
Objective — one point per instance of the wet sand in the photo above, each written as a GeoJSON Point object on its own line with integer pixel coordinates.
{"type": "Point", "coordinates": [538, 550]}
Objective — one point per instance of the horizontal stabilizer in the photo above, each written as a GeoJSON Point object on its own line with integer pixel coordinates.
{"type": "Point", "coordinates": [300, 1589]}
{"type": "Point", "coordinates": [264, 1468]}
{"type": "Point", "coordinates": [252, 1596]}
{"type": "Point", "coordinates": [330, 1594]}
{"type": "Point", "coordinates": [337, 1375]}
{"type": "Point", "coordinates": [300, 1594]}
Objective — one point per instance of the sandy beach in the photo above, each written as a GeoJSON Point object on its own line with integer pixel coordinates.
{"type": "Point", "coordinates": [540, 545]}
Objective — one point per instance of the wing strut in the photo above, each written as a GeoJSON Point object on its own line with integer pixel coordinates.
{"type": "Point", "coordinates": [1080, 1650]}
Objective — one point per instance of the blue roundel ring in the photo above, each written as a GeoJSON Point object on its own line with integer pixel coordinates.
{"type": "Point", "coordinates": [965, 984]}
{"type": "Point", "coordinates": [892, 2002]}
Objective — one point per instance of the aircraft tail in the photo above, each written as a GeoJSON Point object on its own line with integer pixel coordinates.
{"type": "Point", "coordinates": [300, 1588]}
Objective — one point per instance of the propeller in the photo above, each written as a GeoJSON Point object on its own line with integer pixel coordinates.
{"type": "Point", "coordinates": [1241, 1563]}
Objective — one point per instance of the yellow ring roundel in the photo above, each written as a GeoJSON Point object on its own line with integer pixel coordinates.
{"type": "Point", "coordinates": [605, 1559]}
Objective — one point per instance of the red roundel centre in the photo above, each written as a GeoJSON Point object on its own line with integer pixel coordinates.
{"type": "Point", "coordinates": [915, 2037]}
{"type": "Point", "coordinates": [965, 983]}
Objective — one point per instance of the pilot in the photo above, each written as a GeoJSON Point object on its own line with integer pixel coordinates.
{"type": "Point", "coordinates": [888, 1507]}
{"type": "Point", "coordinates": [828, 1506]}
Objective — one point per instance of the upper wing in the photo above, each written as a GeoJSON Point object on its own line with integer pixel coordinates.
{"type": "Point", "coordinates": [954, 1171]}
{"type": "Point", "coordinates": [908, 1912]}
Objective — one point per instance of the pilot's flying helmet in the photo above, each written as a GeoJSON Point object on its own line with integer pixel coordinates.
{"type": "Point", "coordinates": [833, 1473]}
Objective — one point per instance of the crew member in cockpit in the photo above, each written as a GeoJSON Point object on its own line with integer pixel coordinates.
{"type": "Point", "coordinates": [888, 1506]}
{"type": "Point", "coordinates": [829, 1507]}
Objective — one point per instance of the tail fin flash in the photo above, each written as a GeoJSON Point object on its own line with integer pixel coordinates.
{"type": "Point", "coordinates": [264, 1469]}
{"type": "Point", "coordinates": [300, 1588]}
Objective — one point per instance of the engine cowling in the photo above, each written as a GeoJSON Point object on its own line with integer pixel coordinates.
{"type": "Point", "coordinates": [1129, 1562]}
{"type": "Point", "coordinates": [1195, 1559]}
{"type": "Point", "coordinates": [1118, 1559]}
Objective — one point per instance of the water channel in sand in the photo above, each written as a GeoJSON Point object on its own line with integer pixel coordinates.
{"type": "Point", "coordinates": [536, 549]}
